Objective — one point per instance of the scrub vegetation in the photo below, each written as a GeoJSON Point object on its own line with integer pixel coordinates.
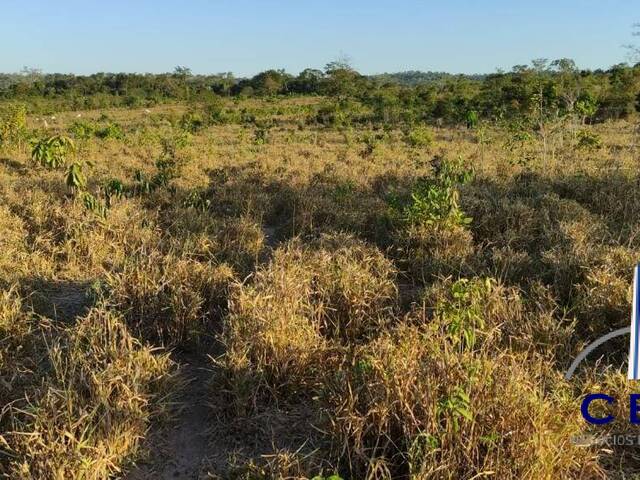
{"type": "Point", "coordinates": [322, 276]}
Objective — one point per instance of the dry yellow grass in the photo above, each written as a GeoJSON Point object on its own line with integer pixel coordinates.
{"type": "Point", "coordinates": [420, 349]}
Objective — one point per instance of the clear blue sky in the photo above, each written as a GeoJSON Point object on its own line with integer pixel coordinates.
{"type": "Point", "coordinates": [247, 36]}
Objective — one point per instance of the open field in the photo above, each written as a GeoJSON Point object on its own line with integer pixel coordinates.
{"type": "Point", "coordinates": [274, 296]}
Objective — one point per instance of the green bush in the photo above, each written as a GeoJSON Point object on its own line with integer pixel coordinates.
{"type": "Point", "coordinates": [435, 201]}
{"type": "Point", "coordinates": [51, 152]}
{"type": "Point", "coordinates": [192, 122]}
{"type": "Point", "coordinates": [337, 114]}
{"type": "Point", "coordinates": [13, 123]}
{"type": "Point", "coordinates": [214, 111]}
{"type": "Point", "coordinates": [82, 130]}
{"type": "Point", "coordinates": [420, 137]}
{"type": "Point", "coordinates": [261, 136]}
{"type": "Point", "coordinates": [472, 119]}
{"type": "Point", "coordinates": [588, 140]}
{"type": "Point", "coordinates": [112, 130]}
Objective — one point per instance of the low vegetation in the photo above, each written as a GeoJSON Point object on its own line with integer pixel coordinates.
{"type": "Point", "coordinates": [373, 281]}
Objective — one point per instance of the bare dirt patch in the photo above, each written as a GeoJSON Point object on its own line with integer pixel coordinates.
{"type": "Point", "coordinates": [177, 449]}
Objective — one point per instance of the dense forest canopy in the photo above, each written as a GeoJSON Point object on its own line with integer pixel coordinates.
{"type": "Point", "coordinates": [543, 88]}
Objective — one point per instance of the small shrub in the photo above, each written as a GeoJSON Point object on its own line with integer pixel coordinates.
{"type": "Point", "coordinates": [192, 122]}
{"type": "Point", "coordinates": [371, 141]}
{"type": "Point", "coordinates": [75, 178]}
{"type": "Point", "coordinates": [82, 130]}
{"type": "Point", "coordinates": [261, 136]}
{"type": "Point", "coordinates": [214, 112]}
{"type": "Point", "coordinates": [520, 144]}
{"type": "Point", "coordinates": [169, 165]}
{"type": "Point", "coordinates": [588, 140]}
{"type": "Point", "coordinates": [461, 310]}
{"type": "Point", "coordinates": [435, 202]}
{"type": "Point", "coordinates": [133, 101]}
{"type": "Point", "coordinates": [471, 119]}
{"type": "Point", "coordinates": [94, 205]}
{"type": "Point", "coordinates": [13, 123]}
{"type": "Point", "coordinates": [114, 189]}
{"type": "Point", "coordinates": [336, 114]}
{"type": "Point", "coordinates": [111, 131]}
{"type": "Point", "coordinates": [420, 137]}
{"type": "Point", "coordinates": [197, 199]}
{"type": "Point", "coordinates": [51, 152]}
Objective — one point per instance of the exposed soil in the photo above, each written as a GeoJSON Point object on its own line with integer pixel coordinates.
{"type": "Point", "coordinates": [177, 449]}
{"type": "Point", "coordinates": [60, 300]}
{"type": "Point", "coordinates": [205, 440]}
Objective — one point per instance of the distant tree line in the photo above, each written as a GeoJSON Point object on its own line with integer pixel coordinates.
{"type": "Point", "coordinates": [541, 89]}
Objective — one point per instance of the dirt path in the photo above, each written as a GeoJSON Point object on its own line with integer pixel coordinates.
{"type": "Point", "coordinates": [201, 439]}
{"type": "Point", "coordinates": [179, 448]}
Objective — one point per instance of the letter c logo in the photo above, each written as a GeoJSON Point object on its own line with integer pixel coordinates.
{"type": "Point", "coordinates": [584, 408]}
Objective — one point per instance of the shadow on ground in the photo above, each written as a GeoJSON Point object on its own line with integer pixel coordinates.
{"type": "Point", "coordinates": [61, 300]}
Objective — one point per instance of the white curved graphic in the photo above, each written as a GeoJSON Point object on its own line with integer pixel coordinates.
{"type": "Point", "coordinates": [634, 342]}
{"type": "Point", "coordinates": [593, 346]}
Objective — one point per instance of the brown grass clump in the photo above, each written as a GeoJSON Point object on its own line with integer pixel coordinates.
{"type": "Point", "coordinates": [239, 242]}
{"type": "Point", "coordinates": [22, 347]}
{"type": "Point", "coordinates": [327, 203]}
{"type": "Point", "coordinates": [430, 251]}
{"type": "Point", "coordinates": [281, 464]}
{"type": "Point", "coordinates": [87, 417]}
{"type": "Point", "coordinates": [282, 323]}
{"type": "Point", "coordinates": [94, 247]}
{"type": "Point", "coordinates": [603, 298]}
{"type": "Point", "coordinates": [354, 288]}
{"type": "Point", "coordinates": [171, 300]}
{"type": "Point", "coordinates": [12, 244]}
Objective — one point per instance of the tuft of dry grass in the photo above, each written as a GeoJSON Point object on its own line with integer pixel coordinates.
{"type": "Point", "coordinates": [171, 300]}
{"type": "Point", "coordinates": [419, 402]}
{"type": "Point", "coordinates": [99, 389]}
{"type": "Point", "coordinates": [429, 251]}
{"type": "Point", "coordinates": [284, 322]}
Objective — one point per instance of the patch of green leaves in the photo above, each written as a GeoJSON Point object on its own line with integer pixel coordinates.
{"type": "Point", "coordinates": [455, 408]}
{"type": "Point", "coordinates": [82, 130]}
{"type": "Point", "coordinates": [420, 136]}
{"type": "Point", "coordinates": [192, 122]}
{"type": "Point", "coordinates": [198, 200]}
{"type": "Point", "coordinates": [111, 131]}
{"type": "Point", "coordinates": [94, 205]}
{"type": "Point", "coordinates": [588, 140]}
{"type": "Point", "coordinates": [462, 313]}
{"type": "Point", "coordinates": [75, 178]}
{"type": "Point", "coordinates": [51, 152]}
{"type": "Point", "coordinates": [436, 201]}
